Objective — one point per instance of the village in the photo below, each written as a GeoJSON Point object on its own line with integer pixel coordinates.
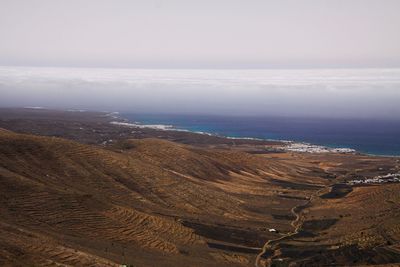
{"type": "Point", "coordinates": [309, 148]}
{"type": "Point", "coordinates": [388, 178]}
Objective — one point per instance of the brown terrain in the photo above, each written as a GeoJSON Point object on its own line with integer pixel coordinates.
{"type": "Point", "coordinates": [76, 190]}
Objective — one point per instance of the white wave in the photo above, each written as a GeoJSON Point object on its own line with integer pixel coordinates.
{"type": "Point", "coordinates": [163, 127]}
{"type": "Point", "coordinates": [244, 138]}
{"type": "Point", "coordinates": [143, 126]}
{"type": "Point", "coordinates": [76, 110]}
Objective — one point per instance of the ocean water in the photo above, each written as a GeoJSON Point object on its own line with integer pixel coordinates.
{"type": "Point", "coordinates": [372, 136]}
{"type": "Point", "coordinates": [277, 103]}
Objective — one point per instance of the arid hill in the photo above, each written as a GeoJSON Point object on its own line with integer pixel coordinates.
{"type": "Point", "coordinates": [153, 202]}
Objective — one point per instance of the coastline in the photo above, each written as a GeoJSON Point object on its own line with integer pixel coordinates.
{"type": "Point", "coordinates": [116, 118]}
{"type": "Point", "coordinates": [289, 145]}
{"type": "Point", "coordinates": [316, 146]}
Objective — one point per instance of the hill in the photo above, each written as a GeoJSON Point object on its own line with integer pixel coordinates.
{"type": "Point", "coordinates": [151, 201]}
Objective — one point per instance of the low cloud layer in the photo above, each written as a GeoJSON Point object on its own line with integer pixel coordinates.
{"type": "Point", "coordinates": [365, 93]}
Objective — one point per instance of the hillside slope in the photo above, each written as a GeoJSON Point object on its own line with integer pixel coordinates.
{"type": "Point", "coordinates": [69, 203]}
{"type": "Point", "coordinates": [150, 201]}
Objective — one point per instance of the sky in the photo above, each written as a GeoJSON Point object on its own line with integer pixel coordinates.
{"type": "Point", "coordinates": [200, 34]}
{"type": "Point", "coordinates": [326, 58]}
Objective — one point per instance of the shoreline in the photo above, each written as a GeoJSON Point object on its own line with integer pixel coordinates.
{"type": "Point", "coordinates": [116, 119]}
{"type": "Point", "coordinates": [173, 128]}
{"type": "Point", "coordinates": [288, 145]}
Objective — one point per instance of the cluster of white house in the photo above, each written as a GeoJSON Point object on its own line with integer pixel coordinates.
{"type": "Point", "coordinates": [388, 178]}
{"type": "Point", "coordinates": [309, 148]}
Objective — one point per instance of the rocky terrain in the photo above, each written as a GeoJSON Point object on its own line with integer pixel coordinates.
{"type": "Point", "coordinates": [76, 190]}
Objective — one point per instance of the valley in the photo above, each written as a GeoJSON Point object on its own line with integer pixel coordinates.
{"type": "Point", "coordinates": [148, 197]}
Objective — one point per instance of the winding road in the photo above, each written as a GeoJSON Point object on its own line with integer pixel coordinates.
{"type": "Point", "coordinates": [295, 223]}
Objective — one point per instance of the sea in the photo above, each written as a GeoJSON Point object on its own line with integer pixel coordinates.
{"type": "Point", "coordinates": [370, 136]}
{"type": "Point", "coordinates": [346, 108]}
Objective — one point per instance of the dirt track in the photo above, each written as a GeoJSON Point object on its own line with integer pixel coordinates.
{"type": "Point", "coordinates": [70, 200]}
{"type": "Point", "coordinates": [296, 223]}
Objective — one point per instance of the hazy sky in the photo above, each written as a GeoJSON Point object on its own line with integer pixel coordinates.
{"type": "Point", "coordinates": [360, 93]}
{"type": "Point", "coordinates": [201, 33]}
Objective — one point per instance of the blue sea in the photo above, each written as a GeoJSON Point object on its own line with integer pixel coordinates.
{"type": "Point", "coordinates": [290, 97]}
{"type": "Point", "coordinates": [371, 136]}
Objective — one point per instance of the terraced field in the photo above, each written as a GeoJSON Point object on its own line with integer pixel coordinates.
{"type": "Point", "coordinates": [153, 202]}
{"type": "Point", "coordinates": [117, 204]}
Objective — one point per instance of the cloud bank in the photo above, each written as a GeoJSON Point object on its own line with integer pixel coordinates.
{"type": "Point", "coordinates": [362, 93]}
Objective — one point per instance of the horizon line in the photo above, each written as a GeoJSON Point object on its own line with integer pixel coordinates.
{"type": "Point", "coordinates": [202, 68]}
